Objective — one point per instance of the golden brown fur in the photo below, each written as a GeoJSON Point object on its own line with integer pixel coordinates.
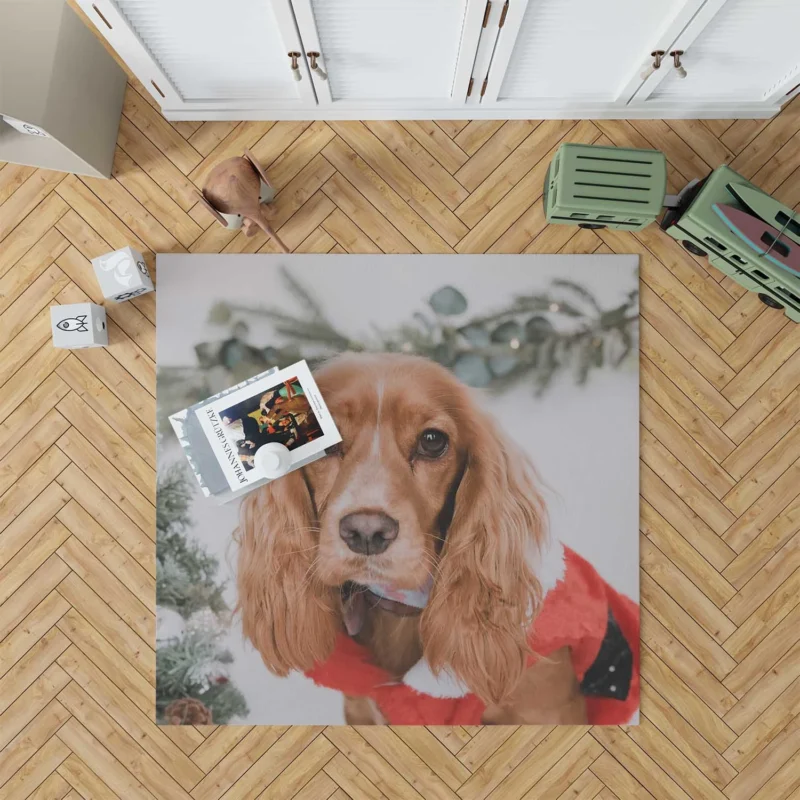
{"type": "Point", "coordinates": [469, 518]}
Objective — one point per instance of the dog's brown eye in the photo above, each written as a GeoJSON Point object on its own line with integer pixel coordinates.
{"type": "Point", "coordinates": [432, 443]}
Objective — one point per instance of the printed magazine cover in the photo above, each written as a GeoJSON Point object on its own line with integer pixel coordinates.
{"type": "Point", "coordinates": [282, 406]}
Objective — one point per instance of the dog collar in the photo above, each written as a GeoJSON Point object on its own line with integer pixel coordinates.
{"type": "Point", "coordinates": [416, 598]}
{"type": "Point", "coordinates": [546, 562]}
{"type": "Point", "coordinates": [400, 602]}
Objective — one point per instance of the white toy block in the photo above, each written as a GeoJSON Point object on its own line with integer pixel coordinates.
{"type": "Point", "coordinates": [122, 274]}
{"type": "Point", "coordinates": [78, 325]}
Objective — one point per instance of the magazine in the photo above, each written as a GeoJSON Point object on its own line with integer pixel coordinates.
{"type": "Point", "coordinates": [280, 406]}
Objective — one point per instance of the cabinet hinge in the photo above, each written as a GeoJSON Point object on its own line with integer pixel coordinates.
{"type": "Point", "coordinates": [469, 88]}
{"type": "Point", "coordinates": [486, 13]}
{"type": "Point", "coordinates": [485, 83]}
{"type": "Point", "coordinates": [503, 15]}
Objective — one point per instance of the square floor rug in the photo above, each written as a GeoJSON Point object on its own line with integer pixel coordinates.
{"type": "Point", "coordinates": [468, 553]}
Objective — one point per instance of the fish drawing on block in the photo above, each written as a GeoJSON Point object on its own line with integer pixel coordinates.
{"type": "Point", "coordinates": [77, 324]}
{"type": "Point", "coordinates": [761, 237]}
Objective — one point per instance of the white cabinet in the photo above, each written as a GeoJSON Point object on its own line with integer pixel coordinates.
{"type": "Point", "coordinates": [576, 51]}
{"type": "Point", "coordinates": [390, 53]}
{"type": "Point", "coordinates": [229, 56]}
{"type": "Point", "coordinates": [736, 50]}
{"type": "Point", "coordinates": [339, 59]}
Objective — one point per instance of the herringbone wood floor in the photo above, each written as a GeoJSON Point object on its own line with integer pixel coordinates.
{"type": "Point", "coordinates": [720, 470]}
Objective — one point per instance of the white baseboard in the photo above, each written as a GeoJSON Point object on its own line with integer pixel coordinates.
{"type": "Point", "coordinates": [649, 111]}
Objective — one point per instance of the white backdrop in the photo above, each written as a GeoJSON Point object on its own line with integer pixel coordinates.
{"type": "Point", "coordinates": [583, 440]}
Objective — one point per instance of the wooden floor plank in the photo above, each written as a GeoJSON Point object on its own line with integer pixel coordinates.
{"type": "Point", "coordinates": [764, 400]}
{"type": "Point", "coordinates": [158, 203]}
{"type": "Point", "coordinates": [411, 216]}
{"type": "Point", "coordinates": [108, 586]}
{"type": "Point", "coordinates": [101, 471]}
{"type": "Point", "coordinates": [427, 169]}
{"type": "Point", "coordinates": [768, 725]}
{"type": "Point", "coordinates": [437, 143]}
{"type": "Point", "coordinates": [90, 605]}
{"type": "Point", "coordinates": [497, 148]}
{"type": "Point", "coordinates": [153, 161]}
{"type": "Point", "coordinates": [684, 412]}
{"type": "Point", "coordinates": [209, 135]}
{"type": "Point", "coordinates": [12, 176]}
{"type": "Point", "coordinates": [760, 605]}
{"type": "Point", "coordinates": [507, 174]}
{"type": "Point", "coordinates": [684, 448]}
{"type": "Point", "coordinates": [476, 133]}
{"type": "Point", "coordinates": [119, 742]}
{"type": "Point", "coordinates": [159, 131]}
{"type": "Point", "coordinates": [34, 736]}
{"type": "Point", "coordinates": [84, 782]}
{"type": "Point", "coordinates": [28, 233]}
{"type": "Point", "coordinates": [25, 199]}
{"type": "Point", "coordinates": [31, 502]}
{"type": "Point", "coordinates": [111, 518]}
{"type": "Point", "coordinates": [683, 555]}
{"type": "Point", "coordinates": [106, 769]}
{"type": "Point", "coordinates": [682, 735]}
{"type": "Point", "coordinates": [30, 267]}
{"type": "Point", "coordinates": [378, 229]}
{"type": "Point", "coordinates": [31, 629]}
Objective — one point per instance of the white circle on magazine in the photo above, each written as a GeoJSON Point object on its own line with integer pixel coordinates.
{"type": "Point", "coordinates": [273, 459]}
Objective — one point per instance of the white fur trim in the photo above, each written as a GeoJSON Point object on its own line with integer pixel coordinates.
{"type": "Point", "coordinates": [421, 679]}
{"type": "Point", "coordinates": [547, 563]}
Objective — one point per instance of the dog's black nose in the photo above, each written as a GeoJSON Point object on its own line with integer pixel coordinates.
{"type": "Point", "coordinates": [368, 532]}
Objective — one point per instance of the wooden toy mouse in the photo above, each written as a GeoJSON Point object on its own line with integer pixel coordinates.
{"type": "Point", "coordinates": [235, 193]}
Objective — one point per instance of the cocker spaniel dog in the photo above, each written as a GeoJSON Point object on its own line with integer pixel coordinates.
{"type": "Point", "coordinates": [412, 570]}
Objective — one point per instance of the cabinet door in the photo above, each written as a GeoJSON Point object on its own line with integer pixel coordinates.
{"type": "Point", "coordinates": [562, 53]}
{"type": "Point", "coordinates": [736, 50]}
{"type": "Point", "coordinates": [390, 54]}
{"type": "Point", "coordinates": [204, 53]}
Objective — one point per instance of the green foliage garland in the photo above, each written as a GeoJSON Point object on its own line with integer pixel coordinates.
{"type": "Point", "coordinates": [537, 337]}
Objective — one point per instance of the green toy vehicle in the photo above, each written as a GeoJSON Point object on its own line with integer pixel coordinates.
{"type": "Point", "coordinates": [605, 187]}
{"type": "Point", "coordinates": [744, 232]}
{"type": "Point", "coordinates": [696, 224]}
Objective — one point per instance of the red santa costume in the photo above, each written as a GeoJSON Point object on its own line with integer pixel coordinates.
{"type": "Point", "coordinates": [580, 611]}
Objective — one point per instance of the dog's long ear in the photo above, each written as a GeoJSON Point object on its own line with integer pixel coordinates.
{"type": "Point", "coordinates": [485, 595]}
{"type": "Point", "coordinates": [286, 613]}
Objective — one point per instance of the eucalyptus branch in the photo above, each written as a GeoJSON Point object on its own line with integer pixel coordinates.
{"type": "Point", "coordinates": [492, 350]}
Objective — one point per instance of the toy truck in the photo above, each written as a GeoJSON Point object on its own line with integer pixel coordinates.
{"type": "Point", "coordinates": [744, 232]}
{"type": "Point", "coordinates": [703, 232]}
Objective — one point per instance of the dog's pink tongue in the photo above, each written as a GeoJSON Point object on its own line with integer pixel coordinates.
{"type": "Point", "coordinates": [355, 607]}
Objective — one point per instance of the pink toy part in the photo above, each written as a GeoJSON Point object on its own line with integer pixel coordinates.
{"type": "Point", "coordinates": [764, 239]}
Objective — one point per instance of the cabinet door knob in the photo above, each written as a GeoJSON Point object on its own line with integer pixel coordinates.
{"type": "Point", "coordinates": [676, 60]}
{"type": "Point", "coordinates": [657, 56]}
{"type": "Point", "coordinates": [317, 70]}
{"type": "Point", "coordinates": [295, 66]}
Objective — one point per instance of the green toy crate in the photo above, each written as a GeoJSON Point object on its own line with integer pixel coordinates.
{"type": "Point", "coordinates": [605, 187]}
{"type": "Point", "coordinates": [702, 232]}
